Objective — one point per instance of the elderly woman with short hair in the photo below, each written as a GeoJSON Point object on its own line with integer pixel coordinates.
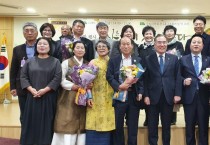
{"type": "Point", "coordinates": [100, 119]}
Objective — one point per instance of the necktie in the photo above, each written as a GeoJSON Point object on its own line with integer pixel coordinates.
{"type": "Point", "coordinates": [196, 65]}
{"type": "Point", "coordinates": [161, 64]}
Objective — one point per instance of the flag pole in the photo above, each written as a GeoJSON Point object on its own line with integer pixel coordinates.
{"type": "Point", "coordinates": [6, 101]}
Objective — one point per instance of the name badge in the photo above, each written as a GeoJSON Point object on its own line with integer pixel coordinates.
{"type": "Point", "coordinates": [23, 61]}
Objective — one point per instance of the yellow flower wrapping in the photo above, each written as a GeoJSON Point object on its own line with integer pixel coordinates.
{"type": "Point", "coordinates": [116, 94]}
{"type": "Point", "coordinates": [80, 91]}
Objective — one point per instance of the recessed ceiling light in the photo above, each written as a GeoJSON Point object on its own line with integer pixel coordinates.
{"type": "Point", "coordinates": [31, 10]}
{"type": "Point", "coordinates": [185, 11]}
{"type": "Point", "coordinates": [82, 10]}
{"type": "Point", "coordinates": [134, 11]}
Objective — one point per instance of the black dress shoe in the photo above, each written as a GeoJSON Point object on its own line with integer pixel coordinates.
{"type": "Point", "coordinates": [173, 123]}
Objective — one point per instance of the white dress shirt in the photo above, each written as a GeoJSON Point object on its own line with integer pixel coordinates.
{"type": "Point", "coordinates": [158, 56]}
{"type": "Point", "coordinates": [126, 61]}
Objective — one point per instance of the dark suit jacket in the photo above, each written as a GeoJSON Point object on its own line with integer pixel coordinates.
{"type": "Point", "coordinates": [56, 50]}
{"type": "Point", "coordinates": [19, 52]}
{"type": "Point", "coordinates": [188, 71]}
{"type": "Point", "coordinates": [113, 72]}
{"type": "Point", "coordinates": [169, 82]}
{"type": "Point", "coordinates": [89, 50]}
{"type": "Point", "coordinates": [206, 48]}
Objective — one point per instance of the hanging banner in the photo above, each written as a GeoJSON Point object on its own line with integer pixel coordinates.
{"type": "Point", "coordinates": [184, 27]}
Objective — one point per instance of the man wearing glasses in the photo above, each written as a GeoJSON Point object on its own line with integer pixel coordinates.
{"type": "Point", "coordinates": [162, 89]}
{"type": "Point", "coordinates": [20, 54]}
{"type": "Point", "coordinates": [199, 23]}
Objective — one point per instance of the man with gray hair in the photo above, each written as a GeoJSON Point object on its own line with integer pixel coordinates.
{"type": "Point", "coordinates": [102, 30]}
{"type": "Point", "coordinates": [20, 54]}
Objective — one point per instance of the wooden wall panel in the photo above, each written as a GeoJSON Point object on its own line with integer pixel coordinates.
{"type": "Point", "coordinates": [177, 135]}
{"type": "Point", "coordinates": [10, 132]}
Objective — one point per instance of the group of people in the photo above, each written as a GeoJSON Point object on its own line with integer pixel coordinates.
{"type": "Point", "coordinates": [40, 76]}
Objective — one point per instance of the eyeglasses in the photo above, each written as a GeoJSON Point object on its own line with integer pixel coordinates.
{"type": "Point", "coordinates": [161, 42]}
{"type": "Point", "coordinates": [101, 46]}
{"type": "Point", "coordinates": [32, 31]}
{"type": "Point", "coordinates": [47, 31]}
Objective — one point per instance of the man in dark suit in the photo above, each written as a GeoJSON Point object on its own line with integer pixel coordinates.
{"type": "Point", "coordinates": [20, 54]}
{"type": "Point", "coordinates": [78, 30]}
{"type": "Point", "coordinates": [134, 95]}
{"type": "Point", "coordinates": [195, 95]}
{"type": "Point", "coordinates": [199, 23]}
{"type": "Point", "coordinates": [63, 52]}
{"type": "Point", "coordinates": [162, 89]}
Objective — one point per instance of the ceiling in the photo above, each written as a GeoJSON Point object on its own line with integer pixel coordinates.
{"type": "Point", "coordinates": [105, 8]}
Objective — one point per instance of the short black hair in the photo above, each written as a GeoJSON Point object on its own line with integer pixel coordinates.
{"type": "Point", "coordinates": [202, 18]}
{"type": "Point", "coordinates": [76, 42]}
{"type": "Point", "coordinates": [147, 28]}
{"type": "Point", "coordinates": [104, 42]}
{"type": "Point", "coordinates": [125, 28]}
{"type": "Point", "coordinates": [52, 28]}
{"type": "Point", "coordinates": [197, 35]}
{"type": "Point", "coordinates": [49, 42]}
{"type": "Point", "coordinates": [78, 21]}
{"type": "Point", "coordinates": [168, 27]}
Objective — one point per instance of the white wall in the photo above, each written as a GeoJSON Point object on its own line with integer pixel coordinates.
{"type": "Point", "coordinates": [184, 27]}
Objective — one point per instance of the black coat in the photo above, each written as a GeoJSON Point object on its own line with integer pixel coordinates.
{"type": "Point", "coordinates": [178, 45]}
{"type": "Point", "coordinates": [19, 53]}
{"type": "Point", "coordinates": [144, 52]}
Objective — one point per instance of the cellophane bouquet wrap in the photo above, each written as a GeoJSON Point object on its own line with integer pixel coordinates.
{"type": "Point", "coordinates": [174, 51]}
{"type": "Point", "coordinates": [130, 75]}
{"type": "Point", "coordinates": [83, 76]}
{"type": "Point", "coordinates": [205, 76]}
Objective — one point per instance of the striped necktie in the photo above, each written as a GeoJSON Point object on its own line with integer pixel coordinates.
{"type": "Point", "coordinates": [196, 65]}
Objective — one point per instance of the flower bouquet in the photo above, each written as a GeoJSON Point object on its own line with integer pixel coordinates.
{"type": "Point", "coordinates": [130, 75]}
{"type": "Point", "coordinates": [174, 52]}
{"type": "Point", "coordinates": [83, 76]}
{"type": "Point", "coordinates": [205, 76]}
{"type": "Point", "coordinates": [67, 47]}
